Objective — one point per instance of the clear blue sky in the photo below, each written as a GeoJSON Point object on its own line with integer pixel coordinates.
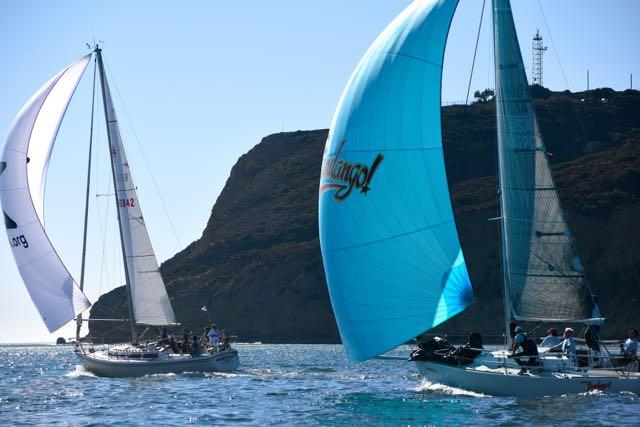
{"type": "Point", "coordinates": [204, 81]}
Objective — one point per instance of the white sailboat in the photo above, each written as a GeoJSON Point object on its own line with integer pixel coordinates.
{"type": "Point", "coordinates": [53, 290]}
{"type": "Point", "coordinates": [391, 252]}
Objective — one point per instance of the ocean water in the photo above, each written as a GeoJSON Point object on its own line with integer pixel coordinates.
{"type": "Point", "coordinates": [277, 384]}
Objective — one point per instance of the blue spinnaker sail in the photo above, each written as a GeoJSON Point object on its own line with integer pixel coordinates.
{"type": "Point", "coordinates": [391, 252]}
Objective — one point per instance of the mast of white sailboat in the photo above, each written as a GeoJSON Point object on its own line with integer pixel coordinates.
{"type": "Point", "coordinates": [132, 320]}
{"type": "Point", "coordinates": [501, 189]}
{"type": "Point", "coordinates": [86, 204]}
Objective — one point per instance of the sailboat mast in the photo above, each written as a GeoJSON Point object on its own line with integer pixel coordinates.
{"type": "Point", "coordinates": [132, 320]}
{"type": "Point", "coordinates": [86, 204]}
{"type": "Point", "coordinates": [501, 187]}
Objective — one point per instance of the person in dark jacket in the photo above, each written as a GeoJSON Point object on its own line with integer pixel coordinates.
{"type": "Point", "coordinates": [196, 350]}
{"type": "Point", "coordinates": [529, 349]}
{"type": "Point", "coordinates": [593, 327]}
{"type": "Point", "coordinates": [186, 340]}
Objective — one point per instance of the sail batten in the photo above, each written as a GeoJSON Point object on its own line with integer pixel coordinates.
{"type": "Point", "coordinates": [25, 160]}
{"type": "Point", "coordinates": [391, 252]}
{"type": "Point", "coordinates": [543, 276]}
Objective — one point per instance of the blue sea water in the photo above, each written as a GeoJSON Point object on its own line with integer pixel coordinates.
{"type": "Point", "coordinates": [277, 384]}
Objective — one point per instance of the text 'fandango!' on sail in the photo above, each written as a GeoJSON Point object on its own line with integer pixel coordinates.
{"type": "Point", "coordinates": [343, 176]}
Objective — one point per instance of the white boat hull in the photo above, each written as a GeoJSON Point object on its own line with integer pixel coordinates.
{"type": "Point", "coordinates": [102, 365]}
{"type": "Point", "coordinates": [508, 381]}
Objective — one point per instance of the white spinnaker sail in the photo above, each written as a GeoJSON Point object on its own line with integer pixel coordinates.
{"type": "Point", "coordinates": [23, 171]}
{"type": "Point", "coordinates": [151, 303]}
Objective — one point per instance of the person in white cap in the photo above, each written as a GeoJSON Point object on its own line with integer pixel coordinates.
{"type": "Point", "coordinates": [568, 345]}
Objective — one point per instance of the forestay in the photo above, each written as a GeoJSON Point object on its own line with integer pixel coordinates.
{"type": "Point", "coordinates": [23, 172]}
{"type": "Point", "coordinates": [391, 252]}
{"type": "Point", "coordinates": [543, 274]}
{"type": "Point", "coordinates": [151, 303]}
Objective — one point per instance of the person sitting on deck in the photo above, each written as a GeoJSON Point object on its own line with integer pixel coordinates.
{"type": "Point", "coordinates": [175, 348]}
{"type": "Point", "coordinates": [163, 339]}
{"type": "Point", "coordinates": [224, 340]}
{"type": "Point", "coordinates": [552, 339]}
{"type": "Point", "coordinates": [186, 340]}
{"type": "Point", "coordinates": [195, 347]}
{"type": "Point", "coordinates": [629, 349]}
{"type": "Point", "coordinates": [529, 349]}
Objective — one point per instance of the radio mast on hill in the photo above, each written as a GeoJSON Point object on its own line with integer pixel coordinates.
{"type": "Point", "coordinates": [538, 51]}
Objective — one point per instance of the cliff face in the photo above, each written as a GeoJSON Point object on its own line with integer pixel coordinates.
{"type": "Point", "coordinates": [258, 268]}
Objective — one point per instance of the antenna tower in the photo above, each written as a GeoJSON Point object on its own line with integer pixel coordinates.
{"type": "Point", "coordinates": [538, 51]}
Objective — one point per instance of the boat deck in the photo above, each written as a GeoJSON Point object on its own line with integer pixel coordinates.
{"type": "Point", "coordinates": [573, 373]}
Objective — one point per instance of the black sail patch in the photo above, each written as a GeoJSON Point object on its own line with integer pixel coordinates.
{"type": "Point", "coordinates": [8, 222]}
{"type": "Point", "coordinates": [3, 166]}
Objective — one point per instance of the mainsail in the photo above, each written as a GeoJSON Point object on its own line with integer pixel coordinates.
{"type": "Point", "coordinates": [543, 275]}
{"type": "Point", "coordinates": [23, 171]}
{"type": "Point", "coordinates": [391, 252]}
{"type": "Point", "coordinates": [151, 305]}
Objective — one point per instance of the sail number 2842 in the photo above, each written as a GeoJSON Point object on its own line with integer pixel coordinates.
{"type": "Point", "coordinates": [126, 203]}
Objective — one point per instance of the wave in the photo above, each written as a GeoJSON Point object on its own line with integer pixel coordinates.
{"type": "Point", "coordinates": [442, 388]}
{"type": "Point", "coordinates": [78, 372]}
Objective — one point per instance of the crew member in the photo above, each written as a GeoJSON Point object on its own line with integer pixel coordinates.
{"type": "Point", "coordinates": [529, 349]}
{"type": "Point", "coordinates": [195, 347]}
{"type": "Point", "coordinates": [214, 337]}
{"type": "Point", "coordinates": [224, 340]}
{"type": "Point", "coordinates": [629, 349]}
{"type": "Point", "coordinates": [593, 327]}
{"type": "Point", "coordinates": [552, 339]}
{"type": "Point", "coordinates": [568, 346]}
{"type": "Point", "coordinates": [186, 338]}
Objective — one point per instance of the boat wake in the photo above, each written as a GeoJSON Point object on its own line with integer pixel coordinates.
{"type": "Point", "coordinates": [170, 374]}
{"type": "Point", "coordinates": [428, 386]}
{"type": "Point", "coordinates": [220, 374]}
{"type": "Point", "coordinates": [78, 372]}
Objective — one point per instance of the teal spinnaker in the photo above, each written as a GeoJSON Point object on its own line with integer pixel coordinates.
{"type": "Point", "coordinates": [390, 247]}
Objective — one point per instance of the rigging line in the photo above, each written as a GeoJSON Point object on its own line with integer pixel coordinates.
{"type": "Point", "coordinates": [466, 102]}
{"type": "Point", "coordinates": [144, 157]}
{"type": "Point", "coordinates": [86, 210]}
{"type": "Point", "coordinates": [114, 329]}
{"type": "Point", "coordinates": [584, 135]}
{"type": "Point", "coordinates": [102, 230]}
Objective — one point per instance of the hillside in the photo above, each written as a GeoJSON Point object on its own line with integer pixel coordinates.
{"type": "Point", "coordinates": [258, 266]}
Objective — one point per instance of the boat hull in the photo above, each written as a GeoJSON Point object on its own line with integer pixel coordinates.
{"type": "Point", "coordinates": [100, 364]}
{"type": "Point", "coordinates": [507, 382]}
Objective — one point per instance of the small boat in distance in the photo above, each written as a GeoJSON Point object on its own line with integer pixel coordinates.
{"type": "Point", "coordinates": [392, 257]}
{"type": "Point", "coordinates": [53, 290]}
